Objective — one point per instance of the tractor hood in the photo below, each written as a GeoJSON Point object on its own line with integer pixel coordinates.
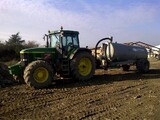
{"type": "Point", "coordinates": [38, 50]}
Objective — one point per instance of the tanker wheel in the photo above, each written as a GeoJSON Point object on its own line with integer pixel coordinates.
{"type": "Point", "coordinates": [38, 74]}
{"type": "Point", "coordinates": [83, 66]}
{"type": "Point", "coordinates": [125, 67]}
{"type": "Point", "coordinates": [142, 65]}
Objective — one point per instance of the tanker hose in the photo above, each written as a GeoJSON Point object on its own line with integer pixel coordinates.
{"type": "Point", "coordinates": [103, 39]}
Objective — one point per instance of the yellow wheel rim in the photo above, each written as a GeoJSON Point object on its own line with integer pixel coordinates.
{"type": "Point", "coordinates": [85, 66]}
{"type": "Point", "coordinates": [40, 75]}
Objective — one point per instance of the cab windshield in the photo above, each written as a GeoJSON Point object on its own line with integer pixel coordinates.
{"type": "Point", "coordinates": [67, 39]}
{"type": "Point", "coordinates": [70, 39]}
{"type": "Point", "coordinates": [54, 40]}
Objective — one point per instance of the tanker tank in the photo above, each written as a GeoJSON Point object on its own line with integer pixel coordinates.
{"type": "Point", "coordinates": [121, 52]}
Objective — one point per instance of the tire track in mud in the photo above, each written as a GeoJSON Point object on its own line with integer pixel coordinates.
{"type": "Point", "coordinates": [127, 97]}
{"type": "Point", "coordinates": [96, 101]}
{"type": "Point", "coordinates": [109, 106]}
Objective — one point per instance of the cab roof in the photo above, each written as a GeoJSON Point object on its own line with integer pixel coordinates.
{"type": "Point", "coordinates": [64, 32]}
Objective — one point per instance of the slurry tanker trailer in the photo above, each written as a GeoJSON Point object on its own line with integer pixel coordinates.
{"type": "Point", "coordinates": [121, 55]}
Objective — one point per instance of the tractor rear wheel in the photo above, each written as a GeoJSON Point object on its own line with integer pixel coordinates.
{"type": "Point", "coordinates": [38, 74]}
{"type": "Point", "coordinates": [83, 66]}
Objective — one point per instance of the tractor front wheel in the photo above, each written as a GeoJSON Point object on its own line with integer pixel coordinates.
{"type": "Point", "coordinates": [38, 74]}
{"type": "Point", "coordinates": [83, 66]}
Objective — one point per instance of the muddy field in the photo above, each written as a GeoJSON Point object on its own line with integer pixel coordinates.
{"type": "Point", "coordinates": [112, 94]}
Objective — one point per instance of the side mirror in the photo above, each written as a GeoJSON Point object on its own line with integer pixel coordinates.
{"type": "Point", "coordinates": [44, 37]}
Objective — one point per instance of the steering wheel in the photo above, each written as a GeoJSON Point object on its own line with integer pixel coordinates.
{"type": "Point", "coordinates": [69, 46]}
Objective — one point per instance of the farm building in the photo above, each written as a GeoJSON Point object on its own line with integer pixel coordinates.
{"type": "Point", "coordinates": [156, 51]}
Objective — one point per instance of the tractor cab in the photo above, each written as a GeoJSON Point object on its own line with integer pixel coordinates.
{"type": "Point", "coordinates": [64, 41]}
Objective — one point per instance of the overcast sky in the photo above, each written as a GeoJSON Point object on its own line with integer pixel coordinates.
{"type": "Point", "coordinates": [125, 20]}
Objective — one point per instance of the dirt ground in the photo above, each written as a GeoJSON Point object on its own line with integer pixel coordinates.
{"type": "Point", "coordinates": [111, 94]}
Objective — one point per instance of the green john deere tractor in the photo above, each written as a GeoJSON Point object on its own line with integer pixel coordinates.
{"type": "Point", "coordinates": [62, 56]}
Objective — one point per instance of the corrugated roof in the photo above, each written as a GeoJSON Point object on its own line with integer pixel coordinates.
{"type": "Point", "coordinates": [158, 46]}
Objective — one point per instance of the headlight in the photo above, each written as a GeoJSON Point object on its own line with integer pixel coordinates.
{"type": "Point", "coordinates": [24, 60]}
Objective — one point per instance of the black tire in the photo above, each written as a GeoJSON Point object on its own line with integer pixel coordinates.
{"type": "Point", "coordinates": [98, 63]}
{"type": "Point", "coordinates": [125, 67]}
{"type": "Point", "coordinates": [142, 65]}
{"type": "Point", "coordinates": [5, 75]}
{"type": "Point", "coordinates": [4, 71]}
{"type": "Point", "coordinates": [83, 66]}
{"type": "Point", "coordinates": [38, 74]}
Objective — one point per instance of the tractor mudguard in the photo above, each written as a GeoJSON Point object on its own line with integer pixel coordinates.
{"type": "Point", "coordinates": [79, 50]}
